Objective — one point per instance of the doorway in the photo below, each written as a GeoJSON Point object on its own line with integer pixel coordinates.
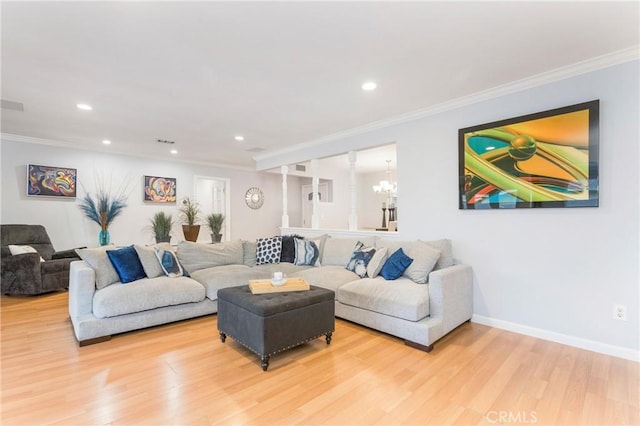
{"type": "Point", "coordinates": [307, 201]}
{"type": "Point", "coordinates": [213, 195]}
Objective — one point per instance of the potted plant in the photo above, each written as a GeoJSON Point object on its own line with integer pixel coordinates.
{"type": "Point", "coordinates": [161, 224]}
{"type": "Point", "coordinates": [103, 210]}
{"type": "Point", "coordinates": [215, 221]}
{"type": "Point", "coordinates": [190, 210]}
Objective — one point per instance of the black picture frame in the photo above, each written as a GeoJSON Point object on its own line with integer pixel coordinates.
{"type": "Point", "coordinates": [51, 181]}
{"type": "Point", "coordinates": [547, 159]}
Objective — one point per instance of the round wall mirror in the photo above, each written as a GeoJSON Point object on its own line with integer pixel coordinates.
{"type": "Point", "coordinates": [254, 198]}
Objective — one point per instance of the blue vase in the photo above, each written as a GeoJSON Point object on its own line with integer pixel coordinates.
{"type": "Point", "coordinates": [103, 237]}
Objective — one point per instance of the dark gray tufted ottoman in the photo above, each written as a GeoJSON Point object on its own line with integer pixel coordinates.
{"type": "Point", "coordinates": [270, 323]}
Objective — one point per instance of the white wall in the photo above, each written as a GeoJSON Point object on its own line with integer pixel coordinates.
{"type": "Point", "coordinates": [68, 228]}
{"type": "Point", "coordinates": [370, 203]}
{"type": "Point", "coordinates": [334, 214]}
{"type": "Point", "coordinates": [555, 273]}
{"type": "Point", "coordinates": [552, 269]}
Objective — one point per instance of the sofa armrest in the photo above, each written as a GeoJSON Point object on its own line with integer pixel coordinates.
{"type": "Point", "coordinates": [82, 286]}
{"type": "Point", "coordinates": [66, 254]}
{"type": "Point", "coordinates": [451, 295]}
{"type": "Point", "coordinates": [20, 274]}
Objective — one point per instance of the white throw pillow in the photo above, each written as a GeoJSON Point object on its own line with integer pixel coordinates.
{"type": "Point", "coordinates": [446, 252]}
{"type": "Point", "coordinates": [377, 262]}
{"type": "Point", "coordinates": [98, 259]}
{"type": "Point", "coordinates": [22, 250]}
{"type": "Point", "coordinates": [149, 260]}
{"type": "Point", "coordinates": [424, 259]}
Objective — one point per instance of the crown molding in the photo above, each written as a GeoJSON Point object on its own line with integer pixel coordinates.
{"type": "Point", "coordinates": [562, 73]}
{"type": "Point", "coordinates": [51, 142]}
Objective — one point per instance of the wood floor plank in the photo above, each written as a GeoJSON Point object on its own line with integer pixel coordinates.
{"type": "Point", "coordinates": [182, 373]}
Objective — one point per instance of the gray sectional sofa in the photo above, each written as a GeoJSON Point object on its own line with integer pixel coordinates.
{"type": "Point", "coordinates": [420, 307]}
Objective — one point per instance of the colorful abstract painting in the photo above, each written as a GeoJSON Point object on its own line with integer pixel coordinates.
{"type": "Point", "coordinates": [51, 181]}
{"type": "Point", "coordinates": [159, 189]}
{"type": "Point", "coordinates": [546, 159]}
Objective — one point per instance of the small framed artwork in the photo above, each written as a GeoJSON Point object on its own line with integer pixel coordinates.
{"type": "Point", "coordinates": [159, 189]}
{"type": "Point", "coordinates": [546, 159]}
{"type": "Point", "coordinates": [51, 181]}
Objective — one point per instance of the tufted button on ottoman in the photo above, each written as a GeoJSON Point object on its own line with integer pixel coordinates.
{"type": "Point", "coordinates": [270, 323]}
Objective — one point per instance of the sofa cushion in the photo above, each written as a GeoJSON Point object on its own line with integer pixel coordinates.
{"type": "Point", "coordinates": [306, 252]}
{"type": "Point", "coordinates": [338, 251]}
{"type": "Point", "coordinates": [330, 277]}
{"type": "Point", "coordinates": [145, 294]}
{"type": "Point", "coordinates": [268, 250]}
{"type": "Point", "coordinates": [249, 252]}
{"type": "Point", "coordinates": [213, 279]}
{"type": "Point", "coordinates": [377, 262]}
{"type": "Point", "coordinates": [127, 264]}
{"type": "Point", "coordinates": [320, 241]}
{"type": "Point", "coordinates": [395, 265]}
{"type": "Point", "coordinates": [266, 270]}
{"type": "Point", "coordinates": [360, 259]}
{"type": "Point", "coordinates": [195, 256]}
{"type": "Point", "coordinates": [394, 245]}
{"type": "Point", "coordinates": [98, 260]}
{"type": "Point", "coordinates": [401, 298]}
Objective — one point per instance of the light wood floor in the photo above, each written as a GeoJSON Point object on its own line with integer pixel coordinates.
{"type": "Point", "coordinates": [182, 374]}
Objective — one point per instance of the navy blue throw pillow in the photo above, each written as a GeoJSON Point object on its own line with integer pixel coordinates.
{"type": "Point", "coordinates": [127, 264]}
{"type": "Point", "coordinates": [395, 266]}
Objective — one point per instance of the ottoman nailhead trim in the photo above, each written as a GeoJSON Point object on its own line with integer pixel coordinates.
{"type": "Point", "coordinates": [279, 350]}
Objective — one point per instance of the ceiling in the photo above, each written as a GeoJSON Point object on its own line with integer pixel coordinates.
{"type": "Point", "coordinates": [278, 73]}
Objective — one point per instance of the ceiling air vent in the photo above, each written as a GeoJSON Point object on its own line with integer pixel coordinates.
{"type": "Point", "coordinates": [256, 149]}
{"type": "Point", "coordinates": [16, 106]}
{"type": "Point", "coordinates": [301, 168]}
{"type": "Point", "coordinates": [165, 141]}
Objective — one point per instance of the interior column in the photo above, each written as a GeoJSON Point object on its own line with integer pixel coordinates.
{"type": "Point", "coordinates": [353, 214]}
{"type": "Point", "coordinates": [315, 215]}
{"type": "Point", "coordinates": [285, 196]}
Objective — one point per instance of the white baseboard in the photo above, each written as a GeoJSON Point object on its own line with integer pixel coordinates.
{"type": "Point", "coordinates": [590, 345]}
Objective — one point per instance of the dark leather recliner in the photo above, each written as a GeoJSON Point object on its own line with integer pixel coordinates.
{"type": "Point", "coordinates": [25, 274]}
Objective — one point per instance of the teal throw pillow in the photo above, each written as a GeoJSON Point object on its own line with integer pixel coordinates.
{"type": "Point", "coordinates": [127, 264]}
{"type": "Point", "coordinates": [395, 266]}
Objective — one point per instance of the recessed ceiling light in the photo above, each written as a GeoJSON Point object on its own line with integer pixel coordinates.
{"type": "Point", "coordinates": [239, 138]}
{"type": "Point", "coordinates": [174, 151]}
{"type": "Point", "coordinates": [106, 142]}
{"type": "Point", "coordinates": [369, 85]}
{"type": "Point", "coordinates": [85, 107]}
